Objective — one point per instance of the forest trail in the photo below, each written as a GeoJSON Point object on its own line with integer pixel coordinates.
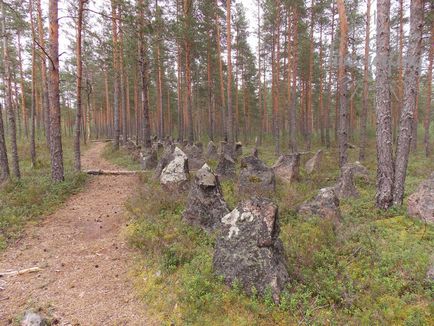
{"type": "Point", "coordinates": [83, 256]}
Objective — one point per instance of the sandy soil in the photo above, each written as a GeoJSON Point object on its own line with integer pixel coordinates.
{"type": "Point", "coordinates": [83, 255]}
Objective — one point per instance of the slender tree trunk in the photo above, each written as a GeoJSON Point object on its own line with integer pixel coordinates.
{"type": "Point", "coordinates": [343, 85]}
{"type": "Point", "coordinates": [187, 16]}
{"type": "Point", "coordinates": [293, 108]}
{"type": "Point", "coordinates": [230, 120]}
{"type": "Point", "coordinates": [309, 109]}
{"type": "Point", "coordinates": [143, 59]}
{"type": "Point", "coordinates": [385, 173]}
{"type": "Point", "coordinates": [33, 99]}
{"type": "Point", "coordinates": [260, 125]}
{"type": "Point", "coordinates": [57, 173]}
{"type": "Point", "coordinates": [427, 118]}
{"type": "Point", "coordinates": [121, 79]}
{"type": "Point", "coordinates": [8, 97]}
{"type": "Point", "coordinates": [210, 90]}
{"type": "Point", "coordinates": [222, 86]}
{"type": "Point", "coordinates": [44, 79]}
{"type": "Point", "coordinates": [365, 99]}
{"type": "Point", "coordinates": [77, 127]}
{"type": "Point", "coordinates": [4, 165]}
{"type": "Point", "coordinates": [116, 77]}
{"type": "Point", "coordinates": [23, 97]}
{"type": "Point", "coordinates": [320, 100]}
{"type": "Point", "coordinates": [412, 69]}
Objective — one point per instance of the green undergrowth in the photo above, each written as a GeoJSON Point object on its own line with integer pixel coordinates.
{"type": "Point", "coordinates": [121, 158]}
{"type": "Point", "coordinates": [370, 270]}
{"type": "Point", "coordinates": [35, 195]}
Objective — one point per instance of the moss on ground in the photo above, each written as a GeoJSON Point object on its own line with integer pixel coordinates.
{"type": "Point", "coordinates": [370, 271]}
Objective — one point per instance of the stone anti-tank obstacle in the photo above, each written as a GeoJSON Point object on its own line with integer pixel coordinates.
{"type": "Point", "coordinates": [313, 164]}
{"type": "Point", "coordinates": [345, 187]}
{"type": "Point", "coordinates": [420, 204]}
{"type": "Point", "coordinates": [324, 205]}
{"type": "Point", "coordinates": [248, 249]}
{"type": "Point", "coordinates": [205, 202]}
{"type": "Point", "coordinates": [255, 177]}
{"type": "Point", "coordinates": [287, 167]}
{"type": "Point", "coordinates": [175, 176]}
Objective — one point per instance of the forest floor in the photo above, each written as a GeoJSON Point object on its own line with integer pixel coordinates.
{"type": "Point", "coordinates": [83, 256]}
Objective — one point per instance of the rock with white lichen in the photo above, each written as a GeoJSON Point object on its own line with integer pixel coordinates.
{"type": "Point", "coordinates": [249, 251]}
{"type": "Point", "coordinates": [175, 176]}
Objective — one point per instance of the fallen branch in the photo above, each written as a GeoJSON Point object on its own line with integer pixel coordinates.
{"type": "Point", "coordinates": [20, 272]}
{"type": "Point", "coordinates": [108, 172]}
{"type": "Point", "coordinates": [101, 140]}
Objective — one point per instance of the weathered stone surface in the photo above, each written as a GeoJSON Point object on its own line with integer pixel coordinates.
{"type": "Point", "coordinates": [238, 150]}
{"type": "Point", "coordinates": [32, 319]}
{"type": "Point", "coordinates": [314, 163]}
{"type": "Point", "coordinates": [249, 250]}
{"type": "Point", "coordinates": [205, 203]}
{"type": "Point", "coordinates": [287, 167]}
{"type": "Point", "coordinates": [255, 177]}
{"type": "Point", "coordinates": [148, 159]}
{"type": "Point", "coordinates": [166, 157]}
{"type": "Point", "coordinates": [226, 149]}
{"type": "Point", "coordinates": [420, 204]}
{"type": "Point", "coordinates": [211, 152]}
{"type": "Point", "coordinates": [359, 171]}
{"type": "Point", "coordinates": [194, 154]}
{"type": "Point", "coordinates": [345, 188]}
{"type": "Point", "coordinates": [325, 205]}
{"type": "Point", "coordinates": [176, 174]}
{"type": "Point", "coordinates": [157, 145]}
{"type": "Point", "coordinates": [226, 167]}
{"type": "Point", "coordinates": [255, 152]}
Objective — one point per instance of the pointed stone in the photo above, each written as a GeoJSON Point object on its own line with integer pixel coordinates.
{"type": "Point", "coordinates": [287, 167]}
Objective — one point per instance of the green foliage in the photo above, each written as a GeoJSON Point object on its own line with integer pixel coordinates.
{"type": "Point", "coordinates": [369, 270]}
{"type": "Point", "coordinates": [120, 158]}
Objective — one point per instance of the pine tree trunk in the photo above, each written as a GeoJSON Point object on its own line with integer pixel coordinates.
{"type": "Point", "coordinates": [44, 79]}
{"type": "Point", "coordinates": [230, 119]}
{"type": "Point", "coordinates": [116, 124]}
{"type": "Point", "coordinates": [412, 70]}
{"type": "Point", "coordinates": [365, 99]}
{"type": "Point", "coordinates": [385, 173]}
{"type": "Point", "coordinates": [309, 109]}
{"type": "Point", "coordinates": [33, 98]}
{"type": "Point", "coordinates": [77, 127]}
{"type": "Point", "coordinates": [23, 98]}
{"type": "Point", "coordinates": [427, 118]}
{"type": "Point", "coordinates": [143, 59]}
{"type": "Point", "coordinates": [222, 86]}
{"type": "Point", "coordinates": [343, 85]}
{"type": "Point", "coordinates": [8, 98]}
{"type": "Point", "coordinates": [293, 108]}
{"type": "Point", "coordinates": [57, 173]}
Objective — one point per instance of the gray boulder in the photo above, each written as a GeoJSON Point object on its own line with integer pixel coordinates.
{"type": "Point", "coordinates": [359, 171]}
{"type": "Point", "coordinates": [226, 149]}
{"type": "Point", "coordinates": [211, 152]}
{"type": "Point", "coordinates": [287, 167]}
{"type": "Point", "coordinates": [194, 154]}
{"type": "Point", "coordinates": [205, 204]}
{"type": "Point", "coordinates": [226, 167]}
{"type": "Point", "coordinates": [325, 205]}
{"type": "Point", "coordinates": [166, 157]}
{"type": "Point", "coordinates": [420, 204]}
{"type": "Point", "coordinates": [255, 177]}
{"type": "Point", "coordinates": [345, 188]}
{"type": "Point", "coordinates": [32, 319]}
{"type": "Point", "coordinates": [148, 159]}
{"type": "Point", "coordinates": [175, 176]}
{"type": "Point", "coordinates": [249, 250]}
{"type": "Point", "coordinates": [314, 163]}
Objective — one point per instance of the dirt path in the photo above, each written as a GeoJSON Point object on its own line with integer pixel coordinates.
{"type": "Point", "coordinates": [84, 258]}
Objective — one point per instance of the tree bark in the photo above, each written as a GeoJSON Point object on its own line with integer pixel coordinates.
{"type": "Point", "coordinates": [343, 85]}
{"type": "Point", "coordinates": [8, 98]}
{"type": "Point", "coordinates": [230, 119]}
{"type": "Point", "coordinates": [56, 152]}
{"type": "Point", "coordinates": [412, 70]}
{"type": "Point", "coordinates": [22, 93]}
{"type": "Point", "coordinates": [33, 98]}
{"type": "Point", "coordinates": [143, 59]}
{"type": "Point", "coordinates": [385, 173]}
{"type": "Point", "coordinates": [44, 79]}
{"type": "Point", "coordinates": [293, 108]}
{"type": "Point", "coordinates": [116, 92]}
{"type": "Point", "coordinates": [365, 99]}
{"type": "Point", "coordinates": [77, 127]}
{"type": "Point", "coordinates": [427, 118]}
